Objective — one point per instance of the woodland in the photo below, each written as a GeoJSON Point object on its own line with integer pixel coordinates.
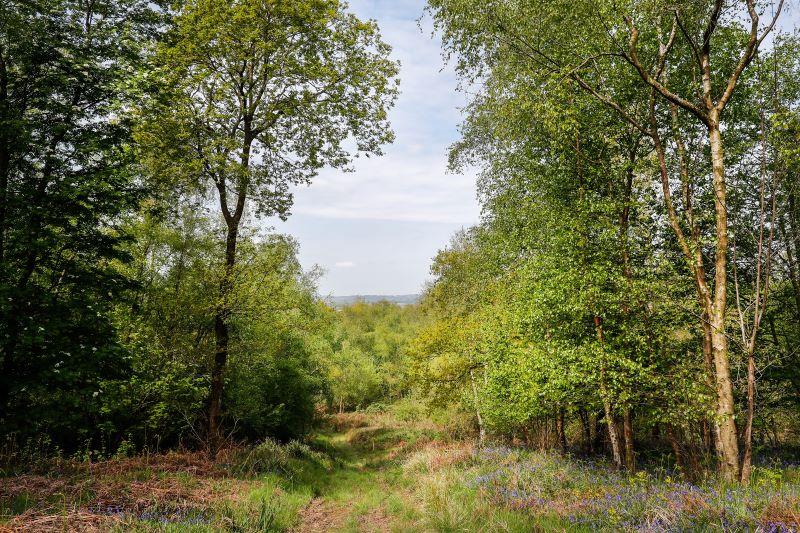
{"type": "Point", "coordinates": [614, 346]}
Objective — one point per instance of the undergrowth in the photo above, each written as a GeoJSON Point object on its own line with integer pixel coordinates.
{"type": "Point", "coordinates": [378, 472]}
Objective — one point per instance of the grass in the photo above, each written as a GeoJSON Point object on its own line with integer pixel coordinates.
{"type": "Point", "coordinates": [373, 472]}
{"type": "Point", "coordinates": [518, 490]}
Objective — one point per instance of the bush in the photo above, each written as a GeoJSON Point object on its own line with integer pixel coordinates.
{"type": "Point", "coordinates": [377, 407]}
{"type": "Point", "coordinates": [272, 394]}
{"type": "Point", "coordinates": [271, 457]}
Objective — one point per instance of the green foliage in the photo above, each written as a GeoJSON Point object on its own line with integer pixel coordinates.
{"type": "Point", "coordinates": [273, 392]}
{"type": "Point", "coordinates": [354, 379]}
{"type": "Point", "coordinates": [271, 457]}
{"type": "Point", "coordinates": [577, 296]}
{"type": "Point", "coordinates": [277, 325]}
{"type": "Point", "coordinates": [117, 119]}
{"type": "Point", "coordinates": [368, 360]}
{"type": "Point", "coordinates": [259, 96]}
{"type": "Point", "coordinates": [65, 186]}
{"type": "Point", "coordinates": [256, 98]}
{"type": "Point", "coordinates": [579, 308]}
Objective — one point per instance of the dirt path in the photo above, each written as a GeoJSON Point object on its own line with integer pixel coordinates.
{"type": "Point", "coordinates": [320, 515]}
{"type": "Point", "coordinates": [366, 493]}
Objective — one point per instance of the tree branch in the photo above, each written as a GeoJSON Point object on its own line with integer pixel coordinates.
{"type": "Point", "coordinates": [633, 59]}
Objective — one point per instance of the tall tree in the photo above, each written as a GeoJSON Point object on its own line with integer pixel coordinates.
{"type": "Point", "coordinates": [682, 56]}
{"type": "Point", "coordinates": [266, 94]}
{"type": "Point", "coordinates": [64, 185]}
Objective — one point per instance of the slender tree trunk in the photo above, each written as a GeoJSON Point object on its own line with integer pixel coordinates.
{"type": "Point", "coordinates": [222, 314]}
{"type": "Point", "coordinates": [627, 431]}
{"type": "Point", "coordinates": [630, 457]}
{"type": "Point", "coordinates": [676, 448]}
{"type": "Point", "coordinates": [747, 459]}
{"type": "Point", "coordinates": [481, 429]}
{"type": "Point", "coordinates": [685, 458]}
{"type": "Point", "coordinates": [588, 445]}
{"type": "Point", "coordinates": [5, 156]}
{"type": "Point", "coordinates": [560, 431]}
{"type": "Point", "coordinates": [710, 427]}
{"type": "Point", "coordinates": [707, 437]}
{"type": "Point", "coordinates": [692, 251]}
{"type": "Point", "coordinates": [597, 439]}
{"type": "Point", "coordinates": [763, 269]}
{"type": "Point", "coordinates": [729, 447]}
{"type": "Point", "coordinates": [613, 435]}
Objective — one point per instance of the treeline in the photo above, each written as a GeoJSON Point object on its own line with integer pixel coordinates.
{"type": "Point", "coordinates": [633, 285]}
{"type": "Point", "coordinates": [371, 367]}
{"type": "Point", "coordinates": [142, 304]}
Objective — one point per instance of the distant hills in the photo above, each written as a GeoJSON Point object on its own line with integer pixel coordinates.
{"type": "Point", "coordinates": [400, 299]}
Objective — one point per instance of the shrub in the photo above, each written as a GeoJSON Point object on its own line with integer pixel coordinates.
{"type": "Point", "coordinates": [272, 457]}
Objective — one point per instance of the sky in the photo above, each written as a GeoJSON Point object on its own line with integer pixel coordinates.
{"type": "Point", "coordinates": [375, 230]}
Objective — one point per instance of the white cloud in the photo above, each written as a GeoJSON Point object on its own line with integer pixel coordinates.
{"type": "Point", "coordinates": [410, 182]}
{"type": "Point", "coordinates": [344, 264]}
{"type": "Point", "coordinates": [394, 187]}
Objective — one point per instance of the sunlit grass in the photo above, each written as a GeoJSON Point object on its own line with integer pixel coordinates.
{"type": "Point", "coordinates": [504, 489]}
{"type": "Point", "coordinates": [368, 473]}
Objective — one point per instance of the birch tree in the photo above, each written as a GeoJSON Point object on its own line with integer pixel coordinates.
{"type": "Point", "coordinates": [684, 60]}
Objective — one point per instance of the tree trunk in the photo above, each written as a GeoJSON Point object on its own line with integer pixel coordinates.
{"type": "Point", "coordinates": [222, 337]}
{"type": "Point", "coordinates": [222, 314]}
{"type": "Point", "coordinates": [713, 305]}
{"type": "Point", "coordinates": [630, 453]}
{"type": "Point", "coordinates": [630, 458]}
{"type": "Point", "coordinates": [676, 448]}
{"type": "Point", "coordinates": [710, 427]}
{"type": "Point", "coordinates": [5, 155]}
{"type": "Point", "coordinates": [597, 437]}
{"type": "Point", "coordinates": [481, 429]}
{"type": "Point", "coordinates": [613, 435]}
{"type": "Point", "coordinates": [588, 445]}
{"type": "Point", "coordinates": [747, 460]}
{"type": "Point", "coordinates": [728, 445]}
{"type": "Point", "coordinates": [707, 436]}
{"type": "Point", "coordinates": [562, 435]}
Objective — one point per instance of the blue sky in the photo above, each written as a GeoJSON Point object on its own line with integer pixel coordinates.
{"type": "Point", "coordinates": [375, 230]}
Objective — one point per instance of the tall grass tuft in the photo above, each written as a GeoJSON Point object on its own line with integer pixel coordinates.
{"type": "Point", "coordinates": [272, 457]}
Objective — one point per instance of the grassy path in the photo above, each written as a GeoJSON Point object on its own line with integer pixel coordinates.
{"type": "Point", "coordinates": [367, 491]}
{"type": "Point", "coordinates": [351, 478]}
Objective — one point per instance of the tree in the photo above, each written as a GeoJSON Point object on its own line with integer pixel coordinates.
{"type": "Point", "coordinates": [65, 186]}
{"type": "Point", "coordinates": [279, 330]}
{"type": "Point", "coordinates": [354, 378]}
{"type": "Point", "coordinates": [265, 94]}
{"type": "Point", "coordinates": [682, 56]}
{"type": "Point", "coordinates": [379, 332]}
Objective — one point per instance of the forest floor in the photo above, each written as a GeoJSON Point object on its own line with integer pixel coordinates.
{"type": "Point", "coordinates": [366, 473]}
{"type": "Point", "coordinates": [350, 479]}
